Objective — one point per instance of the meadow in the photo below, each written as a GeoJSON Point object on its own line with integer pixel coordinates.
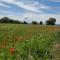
{"type": "Point", "coordinates": [29, 42]}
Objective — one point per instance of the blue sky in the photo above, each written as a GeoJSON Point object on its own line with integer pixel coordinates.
{"type": "Point", "coordinates": [37, 10]}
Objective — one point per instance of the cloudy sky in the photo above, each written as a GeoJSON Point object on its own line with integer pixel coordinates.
{"type": "Point", "coordinates": [37, 10]}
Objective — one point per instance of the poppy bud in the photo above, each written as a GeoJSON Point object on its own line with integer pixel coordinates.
{"type": "Point", "coordinates": [12, 50]}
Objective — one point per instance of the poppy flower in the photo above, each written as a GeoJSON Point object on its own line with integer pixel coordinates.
{"type": "Point", "coordinates": [12, 50]}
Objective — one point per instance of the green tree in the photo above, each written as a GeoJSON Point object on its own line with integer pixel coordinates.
{"type": "Point", "coordinates": [4, 20]}
{"type": "Point", "coordinates": [34, 22]}
{"type": "Point", "coordinates": [8, 20]}
{"type": "Point", "coordinates": [25, 22]}
{"type": "Point", "coordinates": [41, 23]}
{"type": "Point", "coordinates": [51, 21]}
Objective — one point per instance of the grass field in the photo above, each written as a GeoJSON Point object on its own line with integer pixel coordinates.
{"type": "Point", "coordinates": [29, 42]}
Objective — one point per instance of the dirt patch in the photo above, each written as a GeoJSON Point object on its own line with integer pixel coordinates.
{"type": "Point", "coordinates": [2, 45]}
{"type": "Point", "coordinates": [18, 38]}
{"type": "Point", "coordinates": [56, 52]}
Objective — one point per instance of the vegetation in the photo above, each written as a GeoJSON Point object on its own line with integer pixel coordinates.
{"type": "Point", "coordinates": [22, 41]}
{"type": "Point", "coordinates": [41, 23]}
{"type": "Point", "coordinates": [25, 22]}
{"type": "Point", "coordinates": [34, 22]}
{"type": "Point", "coordinates": [51, 21]}
{"type": "Point", "coordinates": [7, 20]}
{"type": "Point", "coordinates": [28, 42]}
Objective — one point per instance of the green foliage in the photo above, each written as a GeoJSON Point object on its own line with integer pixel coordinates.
{"type": "Point", "coordinates": [34, 22]}
{"type": "Point", "coordinates": [31, 42]}
{"type": "Point", "coordinates": [25, 22]}
{"type": "Point", "coordinates": [51, 21]}
{"type": "Point", "coordinates": [7, 20]}
{"type": "Point", "coordinates": [41, 23]}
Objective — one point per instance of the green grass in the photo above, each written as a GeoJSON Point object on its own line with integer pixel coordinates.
{"type": "Point", "coordinates": [31, 42]}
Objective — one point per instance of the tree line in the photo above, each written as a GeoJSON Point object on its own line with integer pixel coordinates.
{"type": "Point", "coordinates": [50, 21]}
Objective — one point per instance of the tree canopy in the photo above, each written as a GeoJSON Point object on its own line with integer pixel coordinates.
{"type": "Point", "coordinates": [34, 22]}
{"type": "Point", "coordinates": [51, 21]}
{"type": "Point", "coordinates": [41, 23]}
{"type": "Point", "coordinates": [8, 20]}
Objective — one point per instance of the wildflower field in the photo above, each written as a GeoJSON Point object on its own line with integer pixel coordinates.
{"type": "Point", "coordinates": [29, 42]}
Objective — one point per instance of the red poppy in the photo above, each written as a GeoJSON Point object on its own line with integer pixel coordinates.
{"type": "Point", "coordinates": [12, 50]}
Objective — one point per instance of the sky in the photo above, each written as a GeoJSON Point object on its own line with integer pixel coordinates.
{"type": "Point", "coordinates": [30, 10]}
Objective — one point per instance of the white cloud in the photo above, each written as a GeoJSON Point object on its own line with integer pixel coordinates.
{"type": "Point", "coordinates": [5, 12]}
{"type": "Point", "coordinates": [33, 17]}
{"type": "Point", "coordinates": [41, 17]}
{"type": "Point", "coordinates": [4, 5]}
{"type": "Point", "coordinates": [55, 0]}
{"type": "Point", "coordinates": [31, 6]}
{"type": "Point", "coordinates": [8, 1]}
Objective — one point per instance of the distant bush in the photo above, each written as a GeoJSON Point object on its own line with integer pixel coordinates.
{"type": "Point", "coordinates": [41, 23]}
{"type": "Point", "coordinates": [25, 22]}
{"type": "Point", "coordinates": [51, 21]}
{"type": "Point", "coordinates": [7, 20]}
{"type": "Point", "coordinates": [34, 22]}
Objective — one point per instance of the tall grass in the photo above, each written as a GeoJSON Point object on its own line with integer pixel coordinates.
{"type": "Point", "coordinates": [31, 42]}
